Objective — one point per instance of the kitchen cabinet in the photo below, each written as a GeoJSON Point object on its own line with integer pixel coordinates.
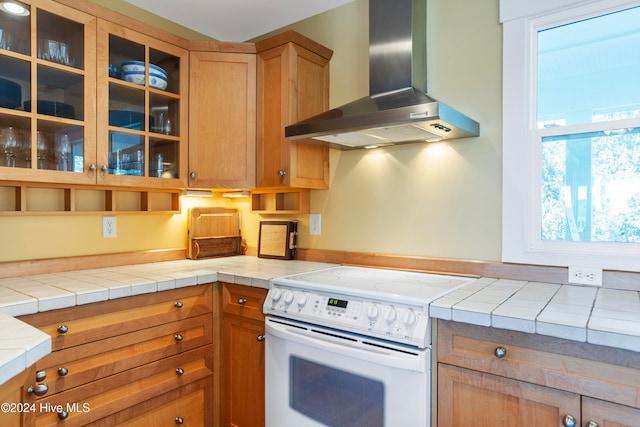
{"type": "Point", "coordinates": [142, 138]}
{"type": "Point", "coordinates": [492, 377]}
{"type": "Point", "coordinates": [47, 94]}
{"type": "Point", "coordinates": [222, 146]}
{"type": "Point", "coordinates": [293, 84]}
{"type": "Point", "coordinates": [13, 393]}
{"type": "Point", "coordinates": [243, 356]}
{"type": "Point", "coordinates": [130, 359]}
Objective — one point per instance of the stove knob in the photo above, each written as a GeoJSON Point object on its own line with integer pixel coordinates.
{"type": "Point", "coordinates": [288, 297]}
{"type": "Point", "coordinates": [301, 300]}
{"type": "Point", "coordinates": [391, 315]}
{"type": "Point", "coordinates": [276, 294]}
{"type": "Point", "coordinates": [409, 318]}
{"type": "Point", "coordinates": [373, 312]}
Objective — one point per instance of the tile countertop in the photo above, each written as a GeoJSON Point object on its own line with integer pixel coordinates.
{"type": "Point", "coordinates": [579, 313]}
{"type": "Point", "coordinates": [21, 345]}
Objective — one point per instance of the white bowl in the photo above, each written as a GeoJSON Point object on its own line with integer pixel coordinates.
{"type": "Point", "coordinates": [136, 77]}
{"type": "Point", "coordinates": [129, 66]}
{"type": "Point", "coordinates": [157, 82]}
{"type": "Point", "coordinates": [154, 69]}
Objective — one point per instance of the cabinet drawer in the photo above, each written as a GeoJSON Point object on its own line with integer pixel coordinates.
{"type": "Point", "coordinates": [243, 301]}
{"type": "Point", "coordinates": [99, 399]}
{"type": "Point", "coordinates": [82, 324]}
{"type": "Point", "coordinates": [185, 404]}
{"type": "Point", "coordinates": [601, 372]}
{"type": "Point", "coordinates": [79, 365]}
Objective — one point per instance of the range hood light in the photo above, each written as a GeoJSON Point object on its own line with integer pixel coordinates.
{"type": "Point", "coordinates": [369, 147]}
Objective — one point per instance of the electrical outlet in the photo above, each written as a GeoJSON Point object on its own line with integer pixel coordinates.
{"type": "Point", "coordinates": [315, 224]}
{"type": "Point", "coordinates": [585, 275]}
{"type": "Point", "coordinates": [108, 227]}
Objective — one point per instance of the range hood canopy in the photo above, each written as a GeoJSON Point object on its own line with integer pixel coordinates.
{"type": "Point", "coordinates": [398, 110]}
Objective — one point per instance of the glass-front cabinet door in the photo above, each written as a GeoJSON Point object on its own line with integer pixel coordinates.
{"type": "Point", "coordinates": [47, 93]}
{"type": "Point", "coordinates": [141, 109]}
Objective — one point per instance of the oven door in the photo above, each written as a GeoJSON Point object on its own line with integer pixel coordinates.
{"type": "Point", "coordinates": [322, 377]}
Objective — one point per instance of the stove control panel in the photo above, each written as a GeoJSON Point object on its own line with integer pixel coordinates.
{"type": "Point", "coordinates": [404, 323]}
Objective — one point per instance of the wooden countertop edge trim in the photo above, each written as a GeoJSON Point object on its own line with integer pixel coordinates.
{"type": "Point", "coordinates": [56, 265]}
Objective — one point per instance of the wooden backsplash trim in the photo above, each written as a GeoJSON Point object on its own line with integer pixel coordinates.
{"type": "Point", "coordinates": [534, 273]}
{"type": "Point", "coordinates": [56, 265]}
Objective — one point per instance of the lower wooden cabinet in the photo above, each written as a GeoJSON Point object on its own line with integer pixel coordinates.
{"type": "Point", "coordinates": [243, 356]}
{"type": "Point", "coordinates": [489, 377]}
{"type": "Point", "coordinates": [12, 396]}
{"type": "Point", "coordinates": [143, 359]}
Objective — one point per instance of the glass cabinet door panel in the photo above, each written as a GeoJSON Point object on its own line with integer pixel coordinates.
{"type": "Point", "coordinates": [126, 154]}
{"type": "Point", "coordinates": [14, 29]}
{"type": "Point", "coordinates": [126, 108]}
{"type": "Point", "coordinates": [15, 82]}
{"type": "Point", "coordinates": [165, 112]}
{"type": "Point", "coordinates": [59, 146]}
{"type": "Point", "coordinates": [60, 94]}
{"type": "Point", "coordinates": [167, 66]}
{"type": "Point", "coordinates": [15, 141]}
{"type": "Point", "coordinates": [163, 158]}
{"type": "Point", "coordinates": [123, 51]}
{"type": "Point", "coordinates": [60, 40]}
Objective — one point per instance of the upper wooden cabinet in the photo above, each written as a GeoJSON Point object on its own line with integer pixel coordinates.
{"type": "Point", "coordinates": [293, 84]}
{"type": "Point", "coordinates": [222, 120]}
{"type": "Point", "coordinates": [142, 109]}
{"type": "Point", "coordinates": [47, 94]}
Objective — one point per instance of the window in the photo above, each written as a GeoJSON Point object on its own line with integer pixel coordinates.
{"type": "Point", "coordinates": [571, 156]}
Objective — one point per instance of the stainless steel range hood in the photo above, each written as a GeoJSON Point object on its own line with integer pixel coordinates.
{"type": "Point", "coordinates": [398, 110]}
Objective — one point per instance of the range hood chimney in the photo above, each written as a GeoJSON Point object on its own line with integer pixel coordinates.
{"type": "Point", "coordinates": [398, 110]}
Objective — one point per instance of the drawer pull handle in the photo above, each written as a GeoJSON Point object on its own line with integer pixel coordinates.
{"type": "Point", "coordinates": [63, 329]}
{"type": "Point", "coordinates": [63, 372]}
{"type": "Point", "coordinates": [179, 420]}
{"type": "Point", "coordinates": [41, 376]}
{"type": "Point", "coordinates": [38, 390]}
{"type": "Point", "coordinates": [178, 304]}
{"type": "Point", "coordinates": [242, 301]}
{"type": "Point", "coordinates": [179, 371]}
{"type": "Point", "coordinates": [178, 337]}
{"type": "Point", "coordinates": [260, 338]}
{"type": "Point", "coordinates": [500, 352]}
{"type": "Point", "coordinates": [63, 415]}
{"type": "Point", "coordinates": [568, 421]}
{"type": "Point", "coordinates": [593, 424]}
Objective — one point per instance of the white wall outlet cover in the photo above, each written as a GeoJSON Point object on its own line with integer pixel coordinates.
{"type": "Point", "coordinates": [315, 224]}
{"type": "Point", "coordinates": [109, 227]}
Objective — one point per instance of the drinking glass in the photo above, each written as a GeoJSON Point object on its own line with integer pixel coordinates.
{"type": "Point", "coordinates": [9, 145]}
{"type": "Point", "coordinates": [63, 153]}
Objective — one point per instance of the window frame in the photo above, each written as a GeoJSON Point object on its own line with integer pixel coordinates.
{"type": "Point", "coordinates": [522, 145]}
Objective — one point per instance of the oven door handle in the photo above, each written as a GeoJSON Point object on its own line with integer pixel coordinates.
{"type": "Point", "coordinates": [415, 360]}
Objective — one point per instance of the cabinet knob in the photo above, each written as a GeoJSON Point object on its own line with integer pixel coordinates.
{"type": "Point", "coordinates": [261, 338]}
{"type": "Point", "coordinates": [178, 304]}
{"type": "Point", "coordinates": [38, 390]}
{"type": "Point", "coordinates": [63, 415]}
{"type": "Point", "coordinates": [192, 175]}
{"type": "Point", "coordinates": [41, 376]}
{"type": "Point", "coordinates": [178, 337]}
{"type": "Point", "coordinates": [282, 173]}
{"type": "Point", "coordinates": [92, 167]}
{"type": "Point", "coordinates": [242, 301]}
{"type": "Point", "coordinates": [500, 352]}
{"type": "Point", "coordinates": [63, 372]}
{"type": "Point", "coordinates": [593, 424]}
{"type": "Point", "coordinates": [63, 329]}
{"type": "Point", "coordinates": [568, 421]}
{"type": "Point", "coordinates": [179, 420]}
{"type": "Point", "coordinates": [179, 371]}
{"type": "Point", "coordinates": [104, 168]}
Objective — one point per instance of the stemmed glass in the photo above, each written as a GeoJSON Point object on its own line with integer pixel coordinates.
{"type": "Point", "coordinates": [44, 150]}
{"type": "Point", "coordinates": [9, 145]}
{"type": "Point", "coordinates": [63, 153]}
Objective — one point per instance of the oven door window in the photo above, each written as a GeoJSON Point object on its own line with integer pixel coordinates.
{"type": "Point", "coordinates": [334, 397]}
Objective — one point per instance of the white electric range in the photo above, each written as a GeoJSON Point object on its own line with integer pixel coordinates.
{"type": "Point", "coordinates": [351, 346]}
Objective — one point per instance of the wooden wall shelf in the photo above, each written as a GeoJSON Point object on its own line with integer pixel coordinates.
{"type": "Point", "coordinates": [280, 201]}
{"type": "Point", "coordinates": [38, 199]}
